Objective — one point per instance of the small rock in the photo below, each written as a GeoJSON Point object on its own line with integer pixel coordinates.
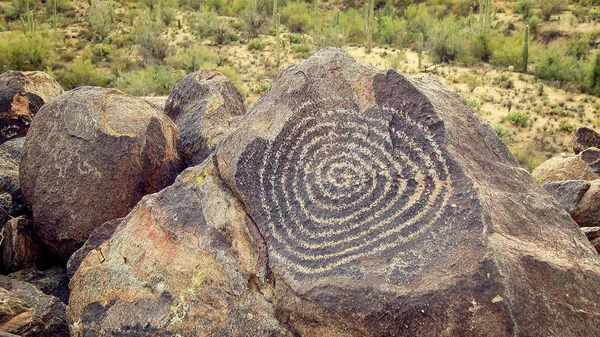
{"type": "Point", "coordinates": [587, 211]}
{"type": "Point", "coordinates": [584, 138]}
{"type": "Point", "coordinates": [52, 281]}
{"type": "Point", "coordinates": [583, 166]}
{"type": "Point", "coordinates": [22, 94]}
{"type": "Point", "coordinates": [90, 156]}
{"type": "Point", "coordinates": [206, 106]}
{"type": "Point", "coordinates": [19, 246]}
{"type": "Point", "coordinates": [568, 193]}
{"type": "Point", "coordinates": [593, 234]}
{"type": "Point", "coordinates": [27, 312]}
{"type": "Point", "coordinates": [14, 148]}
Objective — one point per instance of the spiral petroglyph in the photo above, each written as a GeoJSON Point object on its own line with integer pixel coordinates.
{"type": "Point", "coordinates": [338, 185]}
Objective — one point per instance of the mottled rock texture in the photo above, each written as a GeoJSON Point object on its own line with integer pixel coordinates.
{"type": "Point", "coordinates": [587, 211]}
{"type": "Point", "coordinates": [206, 106]}
{"type": "Point", "coordinates": [19, 247]}
{"type": "Point", "coordinates": [27, 312]}
{"type": "Point", "coordinates": [593, 234]}
{"type": "Point", "coordinates": [90, 156]}
{"type": "Point", "coordinates": [51, 281]}
{"type": "Point", "coordinates": [98, 237]}
{"type": "Point", "coordinates": [568, 193]}
{"type": "Point", "coordinates": [22, 94]}
{"type": "Point", "coordinates": [158, 101]}
{"type": "Point", "coordinates": [583, 166]}
{"type": "Point", "coordinates": [186, 261]}
{"type": "Point", "coordinates": [389, 209]}
{"type": "Point", "coordinates": [583, 138]}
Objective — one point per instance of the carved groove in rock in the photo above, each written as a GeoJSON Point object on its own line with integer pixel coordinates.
{"type": "Point", "coordinates": [337, 186]}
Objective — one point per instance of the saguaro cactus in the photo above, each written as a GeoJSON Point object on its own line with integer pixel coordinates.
{"type": "Point", "coordinates": [317, 15]}
{"type": "Point", "coordinates": [28, 23]}
{"type": "Point", "coordinates": [275, 13]}
{"type": "Point", "coordinates": [370, 26]}
{"type": "Point", "coordinates": [420, 50]}
{"type": "Point", "coordinates": [277, 40]}
{"type": "Point", "coordinates": [526, 49]}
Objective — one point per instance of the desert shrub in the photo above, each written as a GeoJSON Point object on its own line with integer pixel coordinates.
{"type": "Point", "coordinates": [193, 4]}
{"type": "Point", "coordinates": [78, 73]}
{"type": "Point", "coordinates": [99, 21]}
{"type": "Point", "coordinates": [233, 75]}
{"type": "Point", "coordinates": [503, 134]}
{"type": "Point", "coordinates": [353, 25]}
{"type": "Point", "coordinates": [394, 59]}
{"type": "Point", "coordinates": [301, 50]}
{"type": "Point", "coordinates": [555, 65]}
{"type": "Point", "coordinates": [528, 156]}
{"type": "Point", "coordinates": [566, 126]}
{"type": "Point", "coordinates": [391, 29]}
{"type": "Point", "coordinates": [256, 44]}
{"type": "Point", "coordinates": [153, 47]}
{"type": "Point", "coordinates": [551, 7]}
{"type": "Point", "coordinates": [222, 32]}
{"type": "Point", "coordinates": [473, 103]}
{"type": "Point", "coordinates": [297, 16]}
{"type": "Point", "coordinates": [517, 118]}
{"type": "Point", "coordinates": [418, 18]}
{"type": "Point", "coordinates": [193, 58]}
{"type": "Point", "coordinates": [203, 23]}
{"type": "Point", "coordinates": [579, 46]}
{"type": "Point", "coordinates": [525, 8]}
{"type": "Point", "coordinates": [446, 39]}
{"type": "Point", "coordinates": [471, 81]}
{"type": "Point", "coordinates": [261, 87]}
{"type": "Point", "coordinates": [254, 23]}
{"type": "Point", "coordinates": [508, 51]}
{"type": "Point", "coordinates": [25, 53]}
{"type": "Point", "coordinates": [100, 53]}
{"type": "Point", "coordinates": [157, 80]}
{"type": "Point", "coordinates": [331, 36]}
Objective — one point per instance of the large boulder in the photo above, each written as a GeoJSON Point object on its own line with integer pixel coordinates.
{"type": "Point", "coordinates": [185, 262]}
{"type": "Point", "coordinates": [27, 312]}
{"type": "Point", "coordinates": [583, 166]}
{"type": "Point", "coordinates": [90, 156]}
{"type": "Point", "coordinates": [388, 208]}
{"type": "Point", "coordinates": [206, 106]}
{"type": "Point", "coordinates": [22, 94]}
{"type": "Point", "coordinates": [158, 101]}
{"type": "Point", "coordinates": [19, 247]}
{"type": "Point", "coordinates": [584, 138]}
{"type": "Point", "coordinates": [568, 193]}
{"type": "Point", "coordinates": [587, 211]}
{"type": "Point", "coordinates": [98, 237]}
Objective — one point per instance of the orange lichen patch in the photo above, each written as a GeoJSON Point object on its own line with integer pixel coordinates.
{"type": "Point", "coordinates": [20, 108]}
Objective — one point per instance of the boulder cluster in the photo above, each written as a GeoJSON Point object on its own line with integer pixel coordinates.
{"type": "Point", "coordinates": [348, 201]}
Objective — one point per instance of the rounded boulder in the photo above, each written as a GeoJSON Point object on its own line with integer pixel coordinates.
{"type": "Point", "coordinates": [90, 156]}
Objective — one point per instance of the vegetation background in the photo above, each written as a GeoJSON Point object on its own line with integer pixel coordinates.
{"type": "Point", "coordinates": [531, 68]}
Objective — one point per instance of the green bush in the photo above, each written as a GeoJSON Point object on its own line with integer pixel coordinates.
{"type": "Point", "coordinates": [297, 16]}
{"type": "Point", "coordinates": [565, 126]}
{"type": "Point", "coordinates": [551, 7]}
{"type": "Point", "coordinates": [504, 134]}
{"type": "Point", "coordinates": [555, 65]}
{"type": "Point", "coordinates": [193, 58]}
{"type": "Point", "coordinates": [353, 24]}
{"type": "Point", "coordinates": [445, 39]}
{"type": "Point", "coordinates": [25, 53]}
{"type": "Point", "coordinates": [508, 51]}
{"type": "Point", "coordinates": [517, 118]}
{"type": "Point", "coordinates": [391, 30]}
{"type": "Point", "coordinates": [525, 8]}
{"type": "Point", "coordinates": [154, 80]}
{"type": "Point", "coordinates": [256, 44]}
{"type": "Point", "coordinates": [78, 73]}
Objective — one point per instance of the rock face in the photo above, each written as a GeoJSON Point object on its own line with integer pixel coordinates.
{"type": "Point", "coordinates": [90, 156]}
{"type": "Point", "coordinates": [98, 237]}
{"type": "Point", "coordinates": [184, 262]}
{"type": "Point", "coordinates": [52, 281]}
{"type": "Point", "coordinates": [583, 138]}
{"type": "Point", "coordinates": [389, 208]}
{"type": "Point", "coordinates": [583, 166]}
{"type": "Point", "coordinates": [27, 312]}
{"type": "Point", "coordinates": [593, 234]}
{"type": "Point", "coordinates": [206, 106]}
{"type": "Point", "coordinates": [11, 200]}
{"type": "Point", "coordinates": [19, 247]}
{"type": "Point", "coordinates": [587, 211]}
{"type": "Point", "coordinates": [568, 193]}
{"type": "Point", "coordinates": [158, 101]}
{"type": "Point", "coordinates": [14, 148]}
{"type": "Point", "coordinates": [22, 94]}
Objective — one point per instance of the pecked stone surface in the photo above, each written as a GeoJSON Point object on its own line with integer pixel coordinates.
{"type": "Point", "coordinates": [22, 94]}
{"type": "Point", "coordinates": [584, 138]}
{"type": "Point", "coordinates": [388, 208]}
{"type": "Point", "coordinates": [206, 106]}
{"type": "Point", "coordinates": [90, 156]}
{"type": "Point", "coordinates": [27, 312]}
{"type": "Point", "coordinates": [185, 262]}
{"type": "Point", "coordinates": [583, 166]}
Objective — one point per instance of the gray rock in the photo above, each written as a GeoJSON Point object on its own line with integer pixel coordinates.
{"type": "Point", "coordinates": [19, 246]}
{"type": "Point", "coordinates": [568, 193]}
{"type": "Point", "coordinates": [52, 281]}
{"type": "Point", "coordinates": [584, 138]}
{"type": "Point", "coordinates": [206, 106]}
{"type": "Point", "coordinates": [593, 234]}
{"type": "Point", "coordinates": [583, 166]}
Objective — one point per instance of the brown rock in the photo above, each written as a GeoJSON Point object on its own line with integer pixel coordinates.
{"type": "Point", "coordinates": [51, 281]}
{"type": "Point", "coordinates": [583, 138]}
{"type": "Point", "coordinates": [389, 208]}
{"type": "Point", "coordinates": [593, 234]}
{"type": "Point", "coordinates": [98, 237]}
{"type": "Point", "coordinates": [90, 156]}
{"type": "Point", "coordinates": [27, 312]}
{"type": "Point", "coordinates": [583, 166]}
{"type": "Point", "coordinates": [587, 211]}
{"type": "Point", "coordinates": [20, 248]}
{"type": "Point", "coordinates": [14, 148]}
{"type": "Point", "coordinates": [22, 94]}
{"type": "Point", "coordinates": [182, 263]}
{"type": "Point", "coordinates": [206, 106]}
{"type": "Point", "coordinates": [158, 101]}
{"type": "Point", "coordinates": [11, 199]}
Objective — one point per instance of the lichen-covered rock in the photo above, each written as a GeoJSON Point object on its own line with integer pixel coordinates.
{"type": "Point", "coordinates": [185, 262]}
{"type": "Point", "coordinates": [583, 166]}
{"type": "Point", "coordinates": [27, 312]}
{"type": "Point", "coordinates": [90, 156]}
{"type": "Point", "coordinates": [98, 237]}
{"type": "Point", "coordinates": [22, 94]}
{"type": "Point", "coordinates": [51, 281]}
{"type": "Point", "coordinates": [206, 106]}
{"type": "Point", "coordinates": [584, 138]}
{"type": "Point", "coordinates": [568, 193]}
{"type": "Point", "coordinates": [389, 208]}
{"type": "Point", "coordinates": [19, 246]}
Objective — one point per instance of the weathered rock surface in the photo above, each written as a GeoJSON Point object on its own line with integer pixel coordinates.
{"type": "Point", "coordinates": [52, 281]}
{"type": "Point", "coordinates": [11, 199]}
{"type": "Point", "coordinates": [19, 246]}
{"type": "Point", "coordinates": [27, 312]}
{"type": "Point", "coordinates": [90, 156]}
{"type": "Point", "coordinates": [568, 193]}
{"type": "Point", "coordinates": [184, 262]}
{"type": "Point", "coordinates": [587, 211]}
{"type": "Point", "coordinates": [583, 166]}
{"type": "Point", "coordinates": [584, 138]}
{"type": "Point", "coordinates": [98, 237]}
{"type": "Point", "coordinates": [158, 101]}
{"type": "Point", "coordinates": [206, 106]}
{"type": "Point", "coordinates": [389, 209]}
{"type": "Point", "coordinates": [14, 148]}
{"type": "Point", "coordinates": [22, 94]}
{"type": "Point", "coordinates": [593, 234]}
